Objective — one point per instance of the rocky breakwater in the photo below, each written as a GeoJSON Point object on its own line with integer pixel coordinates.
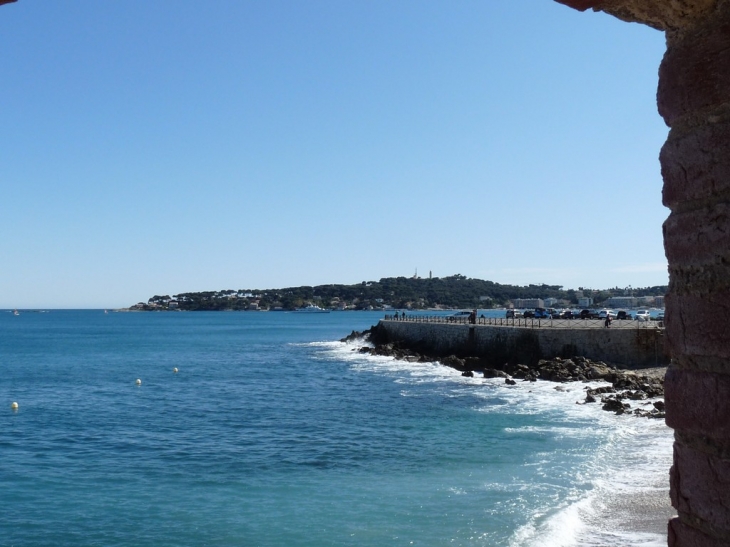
{"type": "Point", "coordinates": [628, 392]}
{"type": "Point", "coordinates": [625, 385]}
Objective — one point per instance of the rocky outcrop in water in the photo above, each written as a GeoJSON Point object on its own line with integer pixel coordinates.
{"type": "Point", "coordinates": [627, 387]}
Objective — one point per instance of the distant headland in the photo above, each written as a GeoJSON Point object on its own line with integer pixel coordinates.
{"type": "Point", "coordinates": [413, 293]}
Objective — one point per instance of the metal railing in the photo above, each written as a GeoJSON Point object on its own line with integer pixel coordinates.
{"type": "Point", "coordinates": [531, 323]}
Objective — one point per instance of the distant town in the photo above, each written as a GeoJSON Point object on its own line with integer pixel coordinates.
{"type": "Point", "coordinates": [408, 293]}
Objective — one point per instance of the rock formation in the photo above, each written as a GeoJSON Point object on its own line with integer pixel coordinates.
{"type": "Point", "coordinates": [625, 384]}
{"type": "Point", "coordinates": [694, 100]}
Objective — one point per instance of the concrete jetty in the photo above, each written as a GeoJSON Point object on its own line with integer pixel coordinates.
{"type": "Point", "coordinates": [628, 344]}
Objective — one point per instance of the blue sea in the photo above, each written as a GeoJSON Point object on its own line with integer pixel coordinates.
{"type": "Point", "coordinates": [274, 433]}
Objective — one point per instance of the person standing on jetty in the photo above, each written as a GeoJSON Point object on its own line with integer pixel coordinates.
{"type": "Point", "coordinates": [607, 322]}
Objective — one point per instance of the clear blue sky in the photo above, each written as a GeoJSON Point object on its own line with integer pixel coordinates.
{"type": "Point", "coordinates": [156, 147]}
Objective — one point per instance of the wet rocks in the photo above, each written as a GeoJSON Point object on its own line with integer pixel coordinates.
{"type": "Point", "coordinates": [392, 350]}
{"type": "Point", "coordinates": [561, 370]}
{"type": "Point", "coordinates": [614, 405]}
{"type": "Point", "coordinates": [656, 412]}
{"type": "Point", "coordinates": [454, 362]}
{"type": "Point", "coordinates": [354, 335]}
{"type": "Point", "coordinates": [626, 386]}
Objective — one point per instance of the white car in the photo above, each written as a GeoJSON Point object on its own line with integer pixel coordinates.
{"type": "Point", "coordinates": [460, 316]}
{"type": "Point", "coordinates": [604, 312]}
{"type": "Point", "coordinates": [642, 315]}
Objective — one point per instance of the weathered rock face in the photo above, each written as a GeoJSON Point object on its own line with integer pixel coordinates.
{"type": "Point", "coordinates": [694, 100]}
{"type": "Point", "coordinates": [661, 14]}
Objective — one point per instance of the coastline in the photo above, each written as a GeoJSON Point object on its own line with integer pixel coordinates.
{"type": "Point", "coordinates": [629, 507]}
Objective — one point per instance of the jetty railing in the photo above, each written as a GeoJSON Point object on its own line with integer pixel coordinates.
{"type": "Point", "coordinates": [530, 322]}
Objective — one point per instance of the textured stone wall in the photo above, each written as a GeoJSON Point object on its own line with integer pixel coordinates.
{"type": "Point", "coordinates": [626, 347]}
{"type": "Point", "coordinates": [694, 100]}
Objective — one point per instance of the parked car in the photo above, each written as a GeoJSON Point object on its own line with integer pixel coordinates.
{"type": "Point", "coordinates": [621, 315]}
{"type": "Point", "coordinates": [642, 315]}
{"type": "Point", "coordinates": [528, 314]}
{"type": "Point", "coordinates": [567, 314]}
{"type": "Point", "coordinates": [514, 314]}
{"type": "Point", "coordinates": [459, 316]}
{"type": "Point", "coordinates": [542, 313]}
{"type": "Point", "coordinates": [588, 314]}
{"type": "Point", "coordinates": [606, 312]}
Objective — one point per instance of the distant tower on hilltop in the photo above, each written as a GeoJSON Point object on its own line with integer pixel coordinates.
{"type": "Point", "coordinates": [429, 274]}
{"type": "Point", "coordinates": [415, 275]}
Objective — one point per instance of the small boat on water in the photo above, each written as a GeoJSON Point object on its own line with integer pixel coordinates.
{"type": "Point", "coordinates": [311, 309]}
{"type": "Point", "coordinates": [16, 312]}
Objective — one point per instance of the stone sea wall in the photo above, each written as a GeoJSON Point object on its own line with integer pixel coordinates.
{"type": "Point", "coordinates": [633, 348]}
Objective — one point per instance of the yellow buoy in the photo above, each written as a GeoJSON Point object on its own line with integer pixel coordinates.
{"type": "Point", "coordinates": [174, 370]}
{"type": "Point", "coordinates": [14, 405]}
{"type": "Point", "coordinates": [138, 382]}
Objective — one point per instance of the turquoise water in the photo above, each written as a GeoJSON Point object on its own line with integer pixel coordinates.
{"type": "Point", "coordinates": [273, 433]}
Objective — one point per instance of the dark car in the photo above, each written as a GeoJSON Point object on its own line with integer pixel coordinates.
{"type": "Point", "coordinates": [528, 314]}
{"type": "Point", "coordinates": [542, 313]}
{"type": "Point", "coordinates": [567, 314]}
{"type": "Point", "coordinates": [588, 314]}
{"type": "Point", "coordinates": [623, 315]}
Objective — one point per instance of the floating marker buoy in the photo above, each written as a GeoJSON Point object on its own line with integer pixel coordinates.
{"type": "Point", "coordinates": [174, 370]}
{"type": "Point", "coordinates": [138, 382]}
{"type": "Point", "coordinates": [14, 405]}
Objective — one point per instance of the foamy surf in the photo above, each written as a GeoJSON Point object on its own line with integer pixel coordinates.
{"type": "Point", "coordinates": [619, 494]}
{"type": "Point", "coordinates": [627, 501]}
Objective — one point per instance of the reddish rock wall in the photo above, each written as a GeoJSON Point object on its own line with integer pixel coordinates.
{"type": "Point", "coordinates": [694, 100]}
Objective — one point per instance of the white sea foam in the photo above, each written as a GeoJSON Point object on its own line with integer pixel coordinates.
{"type": "Point", "coordinates": [627, 503]}
{"type": "Point", "coordinates": [561, 530]}
{"type": "Point", "coordinates": [619, 496]}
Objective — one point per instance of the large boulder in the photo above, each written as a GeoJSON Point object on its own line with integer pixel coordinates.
{"type": "Point", "coordinates": [612, 404]}
{"type": "Point", "coordinates": [454, 362]}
